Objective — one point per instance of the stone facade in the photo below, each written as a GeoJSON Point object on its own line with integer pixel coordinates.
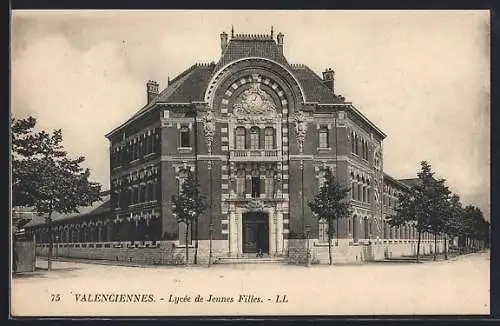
{"type": "Point", "coordinates": [258, 133]}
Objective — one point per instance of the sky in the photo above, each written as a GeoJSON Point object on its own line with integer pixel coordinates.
{"type": "Point", "coordinates": [423, 77]}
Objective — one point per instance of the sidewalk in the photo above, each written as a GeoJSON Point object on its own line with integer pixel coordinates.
{"type": "Point", "coordinates": [430, 257]}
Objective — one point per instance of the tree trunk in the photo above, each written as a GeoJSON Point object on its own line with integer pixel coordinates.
{"type": "Point", "coordinates": [445, 247]}
{"type": "Point", "coordinates": [435, 246]}
{"type": "Point", "coordinates": [196, 241]}
{"type": "Point", "coordinates": [418, 244]}
{"type": "Point", "coordinates": [329, 247]}
{"type": "Point", "coordinates": [186, 235]}
{"type": "Point", "coordinates": [51, 243]}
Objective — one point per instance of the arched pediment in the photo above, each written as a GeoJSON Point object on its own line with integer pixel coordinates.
{"type": "Point", "coordinates": [257, 62]}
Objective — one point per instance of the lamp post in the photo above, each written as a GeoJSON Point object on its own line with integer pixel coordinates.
{"type": "Point", "coordinates": [211, 229]}
{"type": "Point", "coordinates": [308, 253]}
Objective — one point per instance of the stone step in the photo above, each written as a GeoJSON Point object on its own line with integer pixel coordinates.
{"type": "Point", "coordinates": [248, 260]}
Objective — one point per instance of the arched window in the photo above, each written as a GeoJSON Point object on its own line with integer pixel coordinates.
{"type": "Point", "coordinates": [352, 142]}
{"type": "Point", "coordinates": [269, 138]}
{"type": "Point", "coordinates": [323, 137]}
{"type": "Point", "coordinates": [254, 138]}
{"type": "Point", "coordinates": [240, 138]}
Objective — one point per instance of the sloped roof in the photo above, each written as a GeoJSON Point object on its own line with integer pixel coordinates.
{"type": "Point", "coordinates": [395, 181]}
{"type": "Point", "coordinates": [191, 84]}
{"type": "Point", "coordinates": [192, 87]}
{"type": "Point", "coordinates": [245, 45]}
{"type": "Point", "coordinates": [96, 208]}
{"type": "Point", "coordinates": [314, 88]}
{"type": "Point", "coordinates": [186, 87]}
{"type": "Point", "coordinates": [411, 182]}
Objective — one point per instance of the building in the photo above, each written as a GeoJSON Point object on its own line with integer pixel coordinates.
{"type": "Point", "coordinates": [258, 132]}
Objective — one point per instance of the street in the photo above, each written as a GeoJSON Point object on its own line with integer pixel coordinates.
{"type": "Point", "coordinates": [456, 286]}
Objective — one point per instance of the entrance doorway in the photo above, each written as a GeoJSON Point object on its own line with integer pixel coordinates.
{"type": "Point", "coordinates": [255, 232]}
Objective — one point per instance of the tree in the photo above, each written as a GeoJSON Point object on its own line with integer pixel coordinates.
{"type": "Point", "coordinates": [405, 210]}
{"type": "Point", "coordinates": [188, 205]}
{"type": "Point", "coordinates": [452, 220]}
{"type": "Point", "coordinates": [472, 224]}
{"type": "Point", "coordinates": [45, 178]}
{"type": "Point", "coordinates": [421, 204]}
{"type": "Point", "coordinates": [439, 196]}
{"type": "Point", "coordinates": [330, 204]}
{"type": "Point", "coordinates": [476, 227]}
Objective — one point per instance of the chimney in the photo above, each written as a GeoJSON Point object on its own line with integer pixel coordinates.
{"type": "Point", "coordinates": [152, 90]}
{"type": "Point", "coordinates": [223, 42]}
{"type": "Point", "coordinates": [329, 79]}
{"type": "Point", "coordinates": [279, 38]}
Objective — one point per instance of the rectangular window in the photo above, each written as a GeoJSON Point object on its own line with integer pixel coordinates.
{"type": "Point", "coordinates": [254, 138]}
{"type": "Point", "coordinates": [185, 137]}
{"type": "Point", "coordinates": [155, 141]}
{"type": "Point", "coordinates": [147, 192]}
{"type": "Point", "coordinates": [141, 148]}
{"type": "Point", "coordinates": [148, 143]}
{"type": "Point", "coordinates": [132, 196]}
{"type": "Point", "coordinates": [240, 186]}
{"type": "Point", "coordinates": [255, 187]}
{"type": "Point", "coordinates": [323, 137]}
{"type": "Point", "coordinates": [269, 138]}
{"type": "Point", "coordinates": [240, 138]}
{"type": "Point", "coordinates": [269, 187]}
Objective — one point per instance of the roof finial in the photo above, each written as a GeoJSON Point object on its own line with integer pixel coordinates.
{"type": "Point", "coordinates": [272, 31]}
{"type": "Point", "coordinates": [232, 31]}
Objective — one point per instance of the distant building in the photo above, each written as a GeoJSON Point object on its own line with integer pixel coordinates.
{"type": "Point", "coordinates": [259, 134]}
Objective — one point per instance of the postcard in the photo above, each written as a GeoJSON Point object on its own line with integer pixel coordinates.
{"type": "Point", "coordinates": [250, 163]}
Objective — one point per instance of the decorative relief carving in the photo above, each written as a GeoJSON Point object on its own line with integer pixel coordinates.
{"type": "Point", "coordinates": [254, 105]}
{"type": "Point", "coordinates": [257, 61]}
{"type": "Point", "coordinates": [209, 128]}
{"type": "Point", "coordinates": [300, 128]}
{"type": "Point", "coordinates": [255, 205]}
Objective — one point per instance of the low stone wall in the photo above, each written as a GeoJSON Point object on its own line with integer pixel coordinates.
{"type": "Point", "coordinates": [158, 253]}
{"type": "Point", "coordinates": [345, 251]}
{"type": "Point", "coordinates": [171, 253]}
